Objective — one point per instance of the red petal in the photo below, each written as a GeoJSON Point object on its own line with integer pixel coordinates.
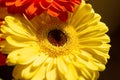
{"type": "Point", "coordinates": [69, 7]}
{"type": "Point", "coordinates": [53, 11]}
{"type": "Point", "coordinates": [21, 2]}
{"type": "Point", "coordinates": [54, 8]}
{"type": "Point", "coordinates": [63, 16]}
{"type": "Point", "coordinates": [31, 9]}
{"type": "Point", "coordinates": [2, 3]}
{"type": "Point", "coordinates": [58, 5]}
{"type": "Point", "coordinates": [1, 23]}
{"type": "Point", "coordinates": [45, 3]}
{"type": "Point", "coordinates": [76, 1]}
{"type": "Point", "coordinates": [2, 59]}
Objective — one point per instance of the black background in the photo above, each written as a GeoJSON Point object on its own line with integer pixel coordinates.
{"type": "Point", "coordinates": [110, 12]}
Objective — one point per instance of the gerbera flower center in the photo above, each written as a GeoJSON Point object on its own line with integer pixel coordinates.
{"type": "Point", "coordinates": [57, 37]}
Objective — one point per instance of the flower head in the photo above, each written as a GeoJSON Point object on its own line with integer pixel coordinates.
{"type": "Point", "coordinates": [55, 8]}
{"type": "Point", "coordinates": [46, 48]}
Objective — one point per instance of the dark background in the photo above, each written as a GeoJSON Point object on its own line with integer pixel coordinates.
{"type": "Point", "coordinates": [110, 12]}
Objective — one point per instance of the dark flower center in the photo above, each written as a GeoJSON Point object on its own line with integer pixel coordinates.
{"type": "Point", "coordinates": [57, 37]}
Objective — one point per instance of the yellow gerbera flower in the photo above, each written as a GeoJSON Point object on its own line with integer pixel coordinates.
{"type": "Point", "coordinates": [46, 48]}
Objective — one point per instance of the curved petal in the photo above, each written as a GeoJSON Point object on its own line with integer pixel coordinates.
{"type": "Point", "coordinates": [22, 56]}
{"type": "Point", "coordinates": [40, 75]}
{"type": "Point", "coordinates": [19, 42]}
{"type": "Point", "coordinates": [62, 66]}
{"type": "Point", "coordinates": [24, 71]}
{"type": "Point", "coordinates": [40, 60]}
{"type": "Point", "coordinates": [16, 25]}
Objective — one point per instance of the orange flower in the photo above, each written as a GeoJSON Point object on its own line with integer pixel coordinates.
{"type": "Point", "coordinates": [55, 8]}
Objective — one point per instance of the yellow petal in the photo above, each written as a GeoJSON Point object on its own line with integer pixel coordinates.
{"type": "Point", "coordinates": [97, 63]}
{"type": "Point", "coordinates": [92, 31]}
{"type": "Point", "coordinates": [84, 58]}
{"type": "Point", "coordinates": [72, 73]}
{"type": "Point", "coordinates": [52, 74]}
{"type": "Point", "coordinates": [40, 75]}
{"type": "Point", "coordinates": [40, 60]}
{"type": "Point", "coordinates": [62, 66]}
{"type": "Point", "coordinates": [18, 27]}
{"type": "Point", "coordinates": [82, 15]}
{"type": "Point", "coordinates": [22, 56]}
{"type": "Point", "coordinates": [6, 48]}
{"type": "Point", "coordinates": [18, 42]}
{"type": "Point", "coordinates": [87, 73]}
{"type": "Point", "coordinates": [24, 72]}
